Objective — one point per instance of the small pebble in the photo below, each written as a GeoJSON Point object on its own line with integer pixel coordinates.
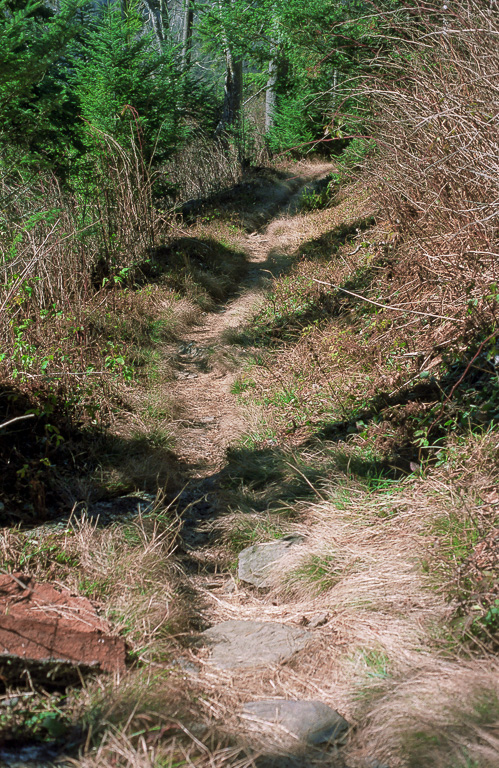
{"type": "Point", "coordinates": [318, 620]}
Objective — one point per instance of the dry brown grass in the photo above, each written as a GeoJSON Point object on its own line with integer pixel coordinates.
{"type": "Point", "coordinates": [132, 570]}
{"type": "Point", "coordinates": [440, 713]}
{"type": "Point", "coordinates": [203, 167]}
{"type": "Point", "coordinates": [375, 562]}
{"type": "Point", "coordinates": [433, 250]}
{"type": "Point", "coordinates": [61, 247]}
{"type": "Point", "coordinates": [151, 717]}
{"type": "Point", "coordinates": [128, 569]}
{"type": "Point", "coordinates": [370, 564]}
{"type": "Point", "coordinates": [383, 657]}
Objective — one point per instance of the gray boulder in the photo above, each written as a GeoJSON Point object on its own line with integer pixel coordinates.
{"type": "Point", "coordinates": [256, 562]}
{"type": "Point", "coordinates": [311, 723]}
{"type": "Point", "coordinates": [253, 643]}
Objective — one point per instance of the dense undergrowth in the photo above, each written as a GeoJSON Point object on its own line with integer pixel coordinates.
{"type": "Point", "coordinates": [90, 300]}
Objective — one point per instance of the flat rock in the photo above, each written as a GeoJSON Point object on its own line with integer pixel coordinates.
{"type": "Point", "coordinates": [257, 561]}
{"type": "Point", "coordinates": [39, 623]}
{"type": "Point", "coordinates": [309, 722]}
{"type": "Point", "coordinates": [253, 643]}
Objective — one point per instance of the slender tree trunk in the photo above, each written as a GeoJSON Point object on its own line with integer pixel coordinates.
{"type": "Point", "coordinates": [187, 21]}
{"type": "Point", "coordinates": [233, 86]}
{"type": "Point", "coordinates": [270, 93]}
{"type": "Point", "coordinates": [233, 92]}
{"type": "Point", "coordinates": [271, 90]}
{"type": "Point", "coordinates": [156, 12]}
{"type": "Point", "coordinates": [335, 86]}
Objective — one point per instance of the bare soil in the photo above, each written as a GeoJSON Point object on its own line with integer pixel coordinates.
{"type": "Point", "coordinates": [375, 625]}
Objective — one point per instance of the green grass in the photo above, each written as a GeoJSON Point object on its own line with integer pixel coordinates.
{"type": "Point", "coordinates": [37, 716]}
{"type": "Point", "coordinates": [242, 384]}
{"type": "Point", "coordinates": [377, 663]}
{"type": "Point", "coordinates": [245, 533]}
{"type": "Point", "coordinates": [50, 552]}
{"type": "Point", "coordinates": [281, 398]}
{"type": "Point", "coordinates": [457, 533]}
{"type": "Point", "coordinates": [318, 571]}
{"type": "Point", "coordinates": [253, 439]}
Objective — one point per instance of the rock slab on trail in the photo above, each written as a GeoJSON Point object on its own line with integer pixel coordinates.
{"type": "Point", "coordinates": [241, 644]}
{"type": "Point", "coordinates": [256, 562]}
{"type": "Point", "coordinates": [39, 623]}
{"type": "Point", "coordinates": [308, 722]}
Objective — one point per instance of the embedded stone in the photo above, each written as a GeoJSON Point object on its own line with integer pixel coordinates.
{"type": "Point", "coordinates": [256, 562]}
{"type": "Point", "coordinates": [309, 722]}
{"type": "Point", "coordinates": [237, 643]}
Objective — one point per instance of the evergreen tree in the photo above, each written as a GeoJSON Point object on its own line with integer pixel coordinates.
{"type": "Point", "coordinates": [297, 53]}
{"type": "Point", "coordinates": [125, 86]}
{"type": "Point", "coordinates": [33, 93]}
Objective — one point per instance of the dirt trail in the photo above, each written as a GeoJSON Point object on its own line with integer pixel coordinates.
{"type": "Point", "coordinates": [257, 648]}
{"type": "Point", "coordinates": [213, 420]}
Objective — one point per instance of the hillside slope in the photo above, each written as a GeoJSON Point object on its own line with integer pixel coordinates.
{"type": "Point", "coordinates": [304, 412]}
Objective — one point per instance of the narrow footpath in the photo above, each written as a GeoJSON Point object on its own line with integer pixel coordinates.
{"type": "Point", "coordinates": [203, 390]}
{"type": "Point", "coordinates": [262, 658]}
{"type": "Point", "coordinates": [305, 607]}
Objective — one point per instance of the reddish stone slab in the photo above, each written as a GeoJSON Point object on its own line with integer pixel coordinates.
{"type": "Point", "coordinates": [41, 623]}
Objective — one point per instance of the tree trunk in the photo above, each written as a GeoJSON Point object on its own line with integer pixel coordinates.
{"type": "Point", "coordinates": [187, 21]}
{"type": "Point", "coordinates": [233, 93]}
{"type": "Point", "coordinates": [334, 98]}
{"type": "Point", "coordinates": [156, 15]}
{"type": "Point", "coordinates": [270, 93]}
{"type": "Point", "coordinates": [233, 87]}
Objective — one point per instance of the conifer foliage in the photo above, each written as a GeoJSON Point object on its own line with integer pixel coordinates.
{"type": "Point", "coordinates": [123, 84]}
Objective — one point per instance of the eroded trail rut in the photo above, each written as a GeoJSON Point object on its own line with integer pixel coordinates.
{"type": "Point", "coordinates": [213, 420]}
{"type": "Point", "coordinates": [246, 656]}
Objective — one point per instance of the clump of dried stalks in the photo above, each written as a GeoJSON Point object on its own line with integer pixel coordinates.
{"type": "Point", "coordinates": [204, 166]}
{"type": "Point", "coordinates": [133, 569]}
{"type": "Point", "coordinates": [68, 250]}
{"type": "Point", "coordinates": [60, 245]}
{"type": "Point", "coordinates": [436, 106]}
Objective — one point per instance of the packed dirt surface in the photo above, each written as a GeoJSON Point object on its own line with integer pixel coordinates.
{"type": "Point", "coordinates": [276, 633]}
{"type": "Point", "coordinates": [213, 419]}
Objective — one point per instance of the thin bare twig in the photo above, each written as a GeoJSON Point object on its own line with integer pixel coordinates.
{"type": "Point", "coordinates": [17, 418]}
{"type": "Point", "coordinates": [295, 469]}
{"type": "Point", "coordinates": [387, 306]}
{"type": "Point", "coordinates": [14, 578]}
